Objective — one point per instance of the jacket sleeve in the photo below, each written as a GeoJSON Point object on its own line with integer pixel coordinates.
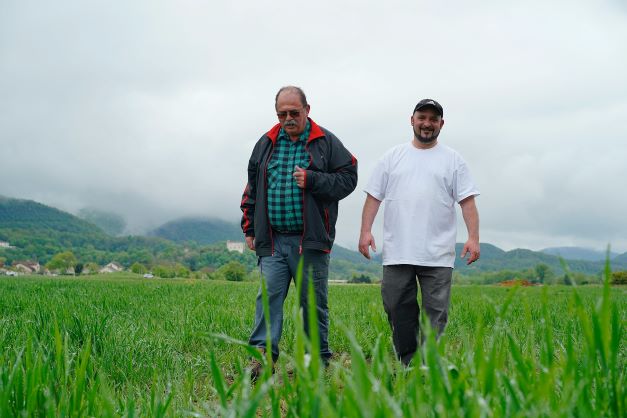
{"type": "Point", "coordinates": [340, 180]}
{"type": "Point", "coordinates": [249, 198]}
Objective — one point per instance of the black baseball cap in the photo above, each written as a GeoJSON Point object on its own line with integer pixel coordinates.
{"type": "Point", "coordinates": [429, 102]}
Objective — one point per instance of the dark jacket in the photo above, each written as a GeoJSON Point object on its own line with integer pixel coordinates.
{"type": "Point", "coordinates": [330, 177]}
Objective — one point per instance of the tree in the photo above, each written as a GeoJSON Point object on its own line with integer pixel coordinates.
{"type": "Point", "coordinates": [164, 271]}
{"type": "Point", "coordinates": [362, 278]}
{"type": "Point", "coordinates": [62, 262]}
{"type": "Point", "coordinates": [138, 268]}
{"type": "Point", "coordinates": [568, 281]}
{"type": "Point", "coordinates": [233, 271]}
{"type": "Point", "coordinates": [543, 272]}
{"type": "Point", "coordinates": [91, 268]}
{"type": "Point", "coordinates": [619, 277]}
{"type": "Point", "coordinates": [182, 271]}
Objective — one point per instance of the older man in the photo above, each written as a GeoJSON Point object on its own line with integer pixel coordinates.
{"type": "Point", "coordinates": [420, 182]}
{"type": "Point", "coordinates": [297, 173]}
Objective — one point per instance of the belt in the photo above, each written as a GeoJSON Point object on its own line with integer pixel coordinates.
{"type": "Point", "coordinates": [278, 231]}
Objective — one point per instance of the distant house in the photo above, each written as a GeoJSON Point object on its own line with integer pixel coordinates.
{"type": "Point", "coordinates": [27, 267]}
{"type": "Point", "coordinates": [235, 246]}
{"type": "Point", "coordinates": [112, 267]}
{"type": "Point", "coordinates": [90, 268]}
{"type": "Point", "coordinates": [4, 244]}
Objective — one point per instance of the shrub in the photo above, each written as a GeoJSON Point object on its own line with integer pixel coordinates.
{"type": "Point", "coordinates": [619, 277]}
{"type": "Point", "coordinates": [362, 278]}
{"type": "Point", "coordinates": [233, 271]}
{"type": "Point", "coordinates": [138, 268]}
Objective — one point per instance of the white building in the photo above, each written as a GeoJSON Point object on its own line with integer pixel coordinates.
{"type": "Point", "coordinates": [28, 267]}
{"type": "Point", "coordinates": [112, 268]}
{"type": "Point", "coordinates": [235, 246]}
{"type": "Point", "coordinates": [4, 244]}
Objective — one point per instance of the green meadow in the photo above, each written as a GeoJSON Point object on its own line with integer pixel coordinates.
{"type": "Point", "coordinates": [120, 345]}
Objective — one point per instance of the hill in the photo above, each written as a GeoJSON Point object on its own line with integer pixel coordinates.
{"type": "Point", "coordinates": [109, 222]}
{"type": "Point", "coordinates": [620, 259]}
{"type": "Point", "coordinates": [26, 224]}
{"type": "Point", "coordinates": [28, 215]}
{"type": "Point", "coordinates": [38, 232]}
{"type": "Point", "coordinates": [495, 259]}
{"type": "Point", "coordinates": [578, 253]}
{"type": "Point", "coordinates": [204, 231]}
{"type": "Point", "coordinates": [200, 230]}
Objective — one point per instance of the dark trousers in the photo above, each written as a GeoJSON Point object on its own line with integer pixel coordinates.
{"type": "Point", "coordinates": [400, 290]}
{"type": "Point", "coordinates": [278, 271]}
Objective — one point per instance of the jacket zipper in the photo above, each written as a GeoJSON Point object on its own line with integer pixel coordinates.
{"type": "Point", "coordinates": [302, 237]}
{"type": "Point", "coordinates": [265, 182]}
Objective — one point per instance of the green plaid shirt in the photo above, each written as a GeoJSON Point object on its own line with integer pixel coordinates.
{"type": "Point", "coordinates": [285, 198]}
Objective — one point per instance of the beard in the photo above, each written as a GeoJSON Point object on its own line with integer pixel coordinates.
{"type": "Point", "coordinates": [423, 139]}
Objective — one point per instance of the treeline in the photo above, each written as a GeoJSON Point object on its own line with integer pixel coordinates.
{"type": "Point", "coordinates": [540, 274]}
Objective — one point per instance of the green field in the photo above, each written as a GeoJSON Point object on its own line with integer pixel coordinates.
{"type": "Point", "coordinates": [124, 346]}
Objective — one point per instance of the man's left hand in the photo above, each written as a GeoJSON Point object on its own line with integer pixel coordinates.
{"type": "Point", "coordinates": [471, 247]}
{"type": "Point", "coordinates": [300, 175]}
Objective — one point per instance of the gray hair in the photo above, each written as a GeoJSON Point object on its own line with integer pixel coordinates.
{"type": "Point", "coordinates": [293, 89]}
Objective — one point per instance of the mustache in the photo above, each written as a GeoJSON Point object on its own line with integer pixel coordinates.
{"type": "Point", "coordinates": [290, 123]}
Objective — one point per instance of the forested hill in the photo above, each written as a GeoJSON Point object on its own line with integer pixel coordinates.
{"type": "Point", "coordinates": [27, 215]}
{"type": "Point", "coordinates": [37, 232]}
{"type": "Point", "coordinates": [36, 228]}
{"type": "Point", "coordinates": [577, 253]}
{"type": "Point", "coordinates": [201, 230]}
{"type": "Point", "coordinates": [495, 259]}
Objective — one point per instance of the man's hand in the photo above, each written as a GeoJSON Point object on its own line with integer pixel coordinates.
{"type": "Point", "coordinates": [471, 247]}
{"type": "Point", "coordinates": [250, 241]}
{"type": "Point", "coordinates": [300, 176]}
{"type": "Point", "coordinates": [366, 240]}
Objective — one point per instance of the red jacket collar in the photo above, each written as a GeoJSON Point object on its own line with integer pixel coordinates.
{"type": "Point", "coordinates": [314, 132]}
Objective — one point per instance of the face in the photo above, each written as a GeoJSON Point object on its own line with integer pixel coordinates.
{"type": "Point", "coordinates": [292, 115]}
{"type": "Point", "coordinates": [427, 124]}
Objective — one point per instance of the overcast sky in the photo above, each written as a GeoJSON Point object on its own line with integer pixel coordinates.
{"type": "Point", "coordinates": [150, 109]}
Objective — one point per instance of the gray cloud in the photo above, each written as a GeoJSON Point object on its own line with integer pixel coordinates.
{"type": "Point", "coordinates": [151, 109]}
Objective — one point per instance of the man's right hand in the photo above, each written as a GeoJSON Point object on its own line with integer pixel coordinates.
{"type": "Point", "coordinates": [366, 240]}
{"type": "Point", "coordinates": [250, 241]}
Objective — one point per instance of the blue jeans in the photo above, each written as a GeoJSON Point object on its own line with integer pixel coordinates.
{"type": "Point", "coordinates": [278, 270]}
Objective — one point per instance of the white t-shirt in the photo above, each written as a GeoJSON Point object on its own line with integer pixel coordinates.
{"type": "Point", "coordinates": [419, 188]}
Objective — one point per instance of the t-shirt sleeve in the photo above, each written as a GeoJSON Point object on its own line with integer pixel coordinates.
{"type": "Point", "coordinates": [463, 184]}
{"type": "Point", "coordinates": [378, 180]}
